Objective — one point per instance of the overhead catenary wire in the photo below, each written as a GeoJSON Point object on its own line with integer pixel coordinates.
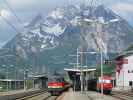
{"type": "Point", "coordinates": [91, 3]}
{"type": "Point", "coordinates": [10, 24]}
{"type": "Point", "coordinates": [13, 12]}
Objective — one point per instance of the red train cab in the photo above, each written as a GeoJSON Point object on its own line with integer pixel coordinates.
{"type": "Point", "coordinates": [106, 82]}
{"type": "Point", "coordinates": [56, 85]}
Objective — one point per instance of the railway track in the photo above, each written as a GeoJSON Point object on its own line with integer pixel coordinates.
{"type": "Point", "coordinates": [122, 95]}
{"type": "Point", "coordinates": [21, 95]}
{"type": "Point", "coordinates": [51, 98]}
{"type": "Point", "coordinates": [43, 97]}
{"type": "Point", "coordinates": [39, 96]}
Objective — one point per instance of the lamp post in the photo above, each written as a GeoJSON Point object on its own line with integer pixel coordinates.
{"type": "Point", "coordinates": [25, 78]}
{"type": "Point", "coordinates": [32, 73]}
{"type": "Point", "coordinates": [123, 79]}
{"type": "Point", "coordinates": [23, 72]}
{"type": "Point", "coordinates": [76, 66]}
{"type": "Point", "coordinates": [86, 78]}
{"type": "Point", "coordinates": [98, 41]}
{"type": "Point", "coordinates": [102, 72]}
{"type": "Point", "coordinates": [101, 46]}
{"type": "Point", "coordinates": [81, 76]}
{"type": "Point", "coordinates": [11, 66]}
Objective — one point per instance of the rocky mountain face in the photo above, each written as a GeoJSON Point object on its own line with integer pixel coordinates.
{"type": "Point", "coordinates": [49, 40]}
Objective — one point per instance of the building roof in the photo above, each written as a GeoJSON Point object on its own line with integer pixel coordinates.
{"type": "Point", "coordinates": [40, 75]}
{"type": "Point", "coordinates": [10, 80]}
{"type": "Point", "coordinates": [124, 54]}
{"type": "Point", "coordinates": [80, 69]}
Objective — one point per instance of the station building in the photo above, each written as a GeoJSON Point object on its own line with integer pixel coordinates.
{"type": "Point", "coordinates": [40, 81]}
{"type": "Point", "coordinates": [124, 71]}
{"type": "Point", "coordinates": [11, 84]}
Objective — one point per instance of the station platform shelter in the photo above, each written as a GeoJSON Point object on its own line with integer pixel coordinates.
{"type": "Point", "coordinates": [40, 81]}
{"type": "Point", "coordinates": [79, 77]}
{"type": "Point", "coordinates": [11, 84]}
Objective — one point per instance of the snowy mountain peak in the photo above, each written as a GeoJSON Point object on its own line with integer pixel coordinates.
{"type": "Point", "coordinates": [61, 22]}
{"type": "Point", "coordinates": [55, 30]}
{"type": "Point", "coordinates": [58, 13]}
{"type": "Point", "coordinates": [106, 13]}
{"type": "Point", "coordinates": [35, 22]}
{"type": "Point", "coordinates": [52, 38]}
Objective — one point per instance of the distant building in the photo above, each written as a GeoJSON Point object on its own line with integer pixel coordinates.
{"type": "Point", "coordinates": [11, 84]}
{"type": "Point", "coordinates": [124, 71]}
{"type": "Point", "coordinates": [40, 81]}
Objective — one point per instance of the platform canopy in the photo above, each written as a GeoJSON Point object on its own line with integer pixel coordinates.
{"type": "Point", "coordinates": [40, 75]}
{"type": "Point", "coordinates": [80, 69]}
{"type": "Point", "coordinates": [10, 80]}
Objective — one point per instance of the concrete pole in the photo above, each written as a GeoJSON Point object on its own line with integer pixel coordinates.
{"type": "Point", "coordinates": [81, 73]}
{"type": "Point", "coordinates": [7, 77]}
{"type": "Point", "coordinates": [15, 79]}
{"type": "Point", "coordinates": [33, 83]}
{"type": "Point", "coordinates": [24, 81]}
{"type": "Point", "coordinates": [123, 79]}
{"type": "Point", "coordinates": [101, 72]}
{"type": "Point", "coordinates": [77, 58]}
{"type": "Point", "coordinates": [74, 82]}
{"type": "Point", "coordinates": [86, 80]}
{"type": "Point", "coordinates": [81, 79]}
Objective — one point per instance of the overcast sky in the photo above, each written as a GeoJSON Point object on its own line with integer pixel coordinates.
{"type": "Point", "coordinates": [27, 9]}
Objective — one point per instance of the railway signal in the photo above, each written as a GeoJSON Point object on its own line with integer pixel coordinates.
{"type": "Point", "coordinates": [108, 62]}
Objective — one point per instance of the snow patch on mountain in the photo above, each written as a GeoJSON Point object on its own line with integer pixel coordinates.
{"type": "Point", "coordinates": [58, 13]}
{"type": "Point", "coordinates": [56, 30]}
{"type": "Point", "coordinates": [37, 32]}
{"type": "Point", "coordinates": [47, 32]}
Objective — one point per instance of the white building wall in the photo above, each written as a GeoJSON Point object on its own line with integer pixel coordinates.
{"type": "Point", "coordinates": [126, 74]}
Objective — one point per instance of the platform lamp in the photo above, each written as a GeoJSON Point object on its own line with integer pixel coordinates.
{"type": "Point", "coordinates": [11, 66]}
{"type": "Point", "coordinates": [23, 71]}
{"type": "Point", "coordinates": [87, 52]}
{"type": "Point", "coordinates": [101, 47]}
{"type": "Point", "coordinates": [96, 22]}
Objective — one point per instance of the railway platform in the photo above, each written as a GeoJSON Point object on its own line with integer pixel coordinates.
{"type": "Point", "coordinates": [89, 95]}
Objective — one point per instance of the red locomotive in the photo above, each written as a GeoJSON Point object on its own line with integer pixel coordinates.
{"type": "Point", "coordinates": [96, 84]}
{"type": "Point", "coordinates": [104, 82]}
{"type": "Point", "coordinates": [56, 85]}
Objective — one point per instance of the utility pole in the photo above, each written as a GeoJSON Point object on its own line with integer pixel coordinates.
{"type": "Point", "coordinates": [100, 46]}
{"type": "Point", "coordinates": [81, 73]}
{"type": "Point", "coordinates": [24, 80]}
{"type": "Point", "coordinates": [123, 79]}
{"type": "Point", "coordinates": [77, 58]}
{"type": "Point", "coordinates": [102, 72]}
{"type": "Point", "coordinates": [7, 76]}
